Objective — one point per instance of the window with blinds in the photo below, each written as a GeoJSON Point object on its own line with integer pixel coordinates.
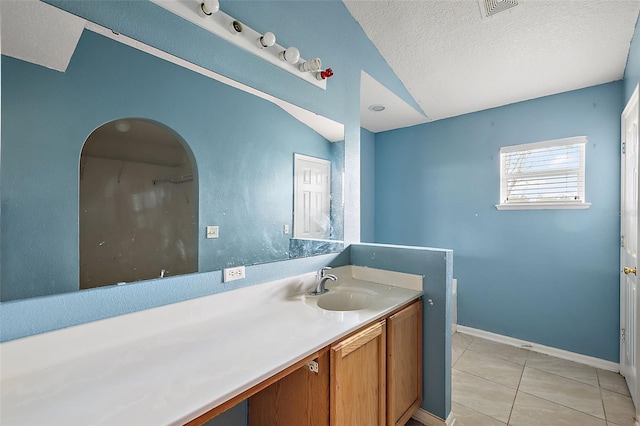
{"type": "Point", "coordinates": [543, 175]}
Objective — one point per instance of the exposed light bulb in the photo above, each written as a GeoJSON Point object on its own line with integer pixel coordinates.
{"type": "Point", "coordinates": [267, 40]}
{"type": "Point", "coordinates": [123, 126]}
{"type": "Point", "coordinates": [314, 64]}
{"type": "Point", "coordinates": [291, 55]}
{"type": "Point", "coordinates": [209, 7]}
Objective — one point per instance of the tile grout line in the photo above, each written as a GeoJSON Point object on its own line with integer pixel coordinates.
{"type": "Point", "coordinates": [484, 378]}
{"type": "Point", "coordinates": [482, 414]}
{"type": "Point", "coordinates": [566, 406]}
{"type": "Point", "coordinates": [573, 380]}
{"type": "Point", "coordinates": [493, 356]}
{"type": "Point", "coordinates": [616, 391]}
{"type": "Point", "coordinates": [554, 402]}
{"type": "Point", "coordinates": [567, 378]}
{"type": "Point", "coordinates": [518, 388]}
{"type": "Point", "coordinates": [463, 351]}
{"type": "Point", "coordinates": [604, 411]}
{"type": "Point", "coordinates": [452, 368]}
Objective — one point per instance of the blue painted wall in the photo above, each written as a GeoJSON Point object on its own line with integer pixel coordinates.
{"type": "Point", "coordinates": [341, 102]}
{"type": "Point", "coordinates": [436, 267]}
{"type": "Point", "coordinates": [546, 276]}
{"type": "Point", "coordinates": [21, 318]}
{"type": "Point", "coordinates": [236, 415]}
{"type": "Point", "coordinates": [317, 28]}
{"type": "Point", "coordinates": [367, 185]}
{"type": "Point", "coordinates": [632, 71]}
{"type": "Point", "coordinates": [243, 146]}
{"type": "Point", "coordinates": [291, 22]}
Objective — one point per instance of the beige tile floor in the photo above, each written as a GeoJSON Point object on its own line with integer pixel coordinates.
{"type": "Point", "coordinates": [495, 384]}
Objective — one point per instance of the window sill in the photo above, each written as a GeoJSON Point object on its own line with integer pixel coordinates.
{"type": "Point", "coordinates": [544, 206]}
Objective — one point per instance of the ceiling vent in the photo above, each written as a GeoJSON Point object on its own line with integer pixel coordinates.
{"type": "Point", "coordinates": [491, 7]}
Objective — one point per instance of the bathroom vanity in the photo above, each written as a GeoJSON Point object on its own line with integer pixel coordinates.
{"type": "Point", "coordinates": [189, 361]}
{"type": "Point", "coordinates": [373, 377]}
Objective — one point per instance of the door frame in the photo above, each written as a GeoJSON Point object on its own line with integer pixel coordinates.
{"type": "Point", "coordinates": [633, 102]}
{"type": "Point", "coordinates": [298, 196]}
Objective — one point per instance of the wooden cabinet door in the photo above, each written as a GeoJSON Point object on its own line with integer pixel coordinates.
{"type": "Point", "coordinates": [404, 364]}
{"type": "Point", "coordinates": [358, 393]}
{"type": "Point", "coordinates": [299, 399]}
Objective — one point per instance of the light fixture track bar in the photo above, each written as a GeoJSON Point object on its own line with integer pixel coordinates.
{"type": "Point", "coordinates": [221, 24]}
{"type": "Point", "coordinates": [331, 130]}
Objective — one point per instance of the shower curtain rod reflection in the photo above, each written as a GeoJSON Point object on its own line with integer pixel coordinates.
{"type": "Point", "coordinates": [177, 179]}
{"type": "Point", "coordinates": [134, 160]}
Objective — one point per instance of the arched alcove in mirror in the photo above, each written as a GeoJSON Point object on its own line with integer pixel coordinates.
{"type": "Point", "coordinates": [138, 204]}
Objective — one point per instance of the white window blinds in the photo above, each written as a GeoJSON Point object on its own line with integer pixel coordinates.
{"type": "Point", "coordinates": [549, 174]}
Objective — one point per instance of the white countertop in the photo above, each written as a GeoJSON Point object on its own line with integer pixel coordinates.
{"type": "Point", "coordinates": [168, 365]}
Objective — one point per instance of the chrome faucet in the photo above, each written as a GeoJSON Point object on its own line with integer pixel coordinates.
{"type": "Point", "coordinates": [321, 279]}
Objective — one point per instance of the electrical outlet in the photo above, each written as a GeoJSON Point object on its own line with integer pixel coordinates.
{"type": "Point", "coordinates": [232, 274]}
{"type": "Point", "coordinates": [212, 232]}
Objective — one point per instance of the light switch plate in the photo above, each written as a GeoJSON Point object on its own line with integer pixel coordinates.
{"type": "Point", "coordinates": [212, 232]}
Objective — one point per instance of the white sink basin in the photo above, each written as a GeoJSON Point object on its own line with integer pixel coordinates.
{"type": "Point", "coordinates": [343, 299]}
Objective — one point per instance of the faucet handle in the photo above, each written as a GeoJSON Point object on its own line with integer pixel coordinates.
{"type": "Point", "coordinates": [323, 270]}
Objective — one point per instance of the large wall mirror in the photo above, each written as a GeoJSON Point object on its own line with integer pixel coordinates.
{"type": "Point", "coordinates": [242, 146]}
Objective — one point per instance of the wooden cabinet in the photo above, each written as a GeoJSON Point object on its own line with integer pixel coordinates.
{"type": "Point", "coordinates": [358, 378]}
{"type": "Point", "coordinates": [301, 398]}
{"type": "Point", "coordinates": [404, 364]}
{"type": "Point", "coordinates": [370, 378]}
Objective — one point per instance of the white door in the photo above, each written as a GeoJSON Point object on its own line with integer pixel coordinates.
{"type": "Point", "coordinates": [629, 249]}
{"type": "Point", "coordinates": [311, 216]}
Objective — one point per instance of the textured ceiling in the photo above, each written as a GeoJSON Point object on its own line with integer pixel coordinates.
{"type": "Point", "coordinates": [454, 61]}
{"type": "Point", "coordinates": [397, 113]}
{"type": "Point", "coordinates": [39, 33]}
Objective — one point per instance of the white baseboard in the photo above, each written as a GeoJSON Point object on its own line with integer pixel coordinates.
{"type": "Point", "coordinates": [547, 350]}
{"type": "Point", "coordinates": [428, 419]}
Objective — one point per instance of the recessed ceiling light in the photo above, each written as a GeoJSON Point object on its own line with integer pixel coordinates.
{"type": "Point", "coordinates": [377, 108]}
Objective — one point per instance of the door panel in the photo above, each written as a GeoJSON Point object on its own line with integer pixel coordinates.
{"type": "Point", "coordinates": [301, 398]}
{"type": "Point", "coordinates": [358, 379]}
{"type": "Point", "coordinates": [629, 247]}
{"type": "Point", "coordinates": [312, 198]}
{"type": "Point", "coordinates": [404, 364]}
